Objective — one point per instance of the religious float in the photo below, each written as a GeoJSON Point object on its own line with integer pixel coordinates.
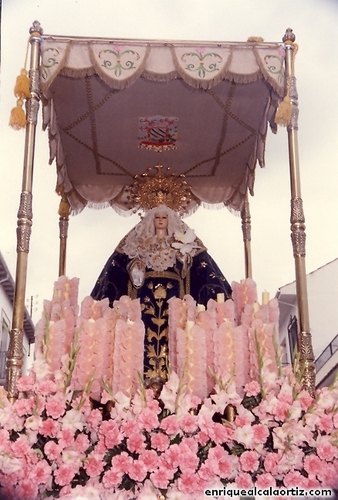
{"type": "Point", "coordinates": [166, 382]}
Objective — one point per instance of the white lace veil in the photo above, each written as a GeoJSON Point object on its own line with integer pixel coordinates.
{"type": "Point", "coordinates": [143, 243]}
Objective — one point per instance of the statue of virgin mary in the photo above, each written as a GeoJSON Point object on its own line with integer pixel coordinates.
{"type": "Point", "coordinates": [160, 258]}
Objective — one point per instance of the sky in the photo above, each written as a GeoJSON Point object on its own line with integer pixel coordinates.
{"type": "Point", "coordinates": [94, 234]}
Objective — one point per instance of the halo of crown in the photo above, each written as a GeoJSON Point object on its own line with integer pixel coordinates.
{"type": "Point", "coordinates": [153, 188]}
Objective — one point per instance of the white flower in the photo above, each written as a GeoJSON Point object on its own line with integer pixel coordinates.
{"type": "Point", "coordinates": [41, 369]}
{"type": "Point", "coordinates": [185, 242]}
{"type": "Point", "coordinates": [73, 420]}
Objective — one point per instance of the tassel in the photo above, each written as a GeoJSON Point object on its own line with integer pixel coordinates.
{"type": "Point", "coordinates": [18, 116]}
{"type": "Point", "coordinates": [284, 112]}
{"type": "Point", "coordinates": [21, 88]}
{"type": "Point", "coordinates": [64, 208]}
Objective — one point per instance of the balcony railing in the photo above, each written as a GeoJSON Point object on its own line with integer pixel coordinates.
{"type": "Point", "coordinates": [327, 353]}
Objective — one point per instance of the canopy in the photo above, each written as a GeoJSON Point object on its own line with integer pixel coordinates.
{"type": "Point", "coordinates": [114, 108]}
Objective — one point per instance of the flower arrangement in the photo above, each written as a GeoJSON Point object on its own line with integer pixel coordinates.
{"type": "Point", "coordinates": [56, 441]}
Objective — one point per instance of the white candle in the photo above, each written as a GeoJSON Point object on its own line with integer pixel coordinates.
{"type": "Point", "coordinates": [255, 307]}
{"type": "Point", "coordinates": [200, 307]}
{"type": "Point", "coordinates": [265, 297]}
{"type": "Point", "coordinates": [220, 297]}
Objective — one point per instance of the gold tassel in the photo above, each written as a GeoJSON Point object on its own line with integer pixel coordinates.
{"type": "Point", "coordinates": [17, 119]}
{"type": "Point", "coordinates": [284, 112]}
{"type": "Point", "coordinates": [64, 207]}
{"type": "Point", "coordinates": [21, 89]}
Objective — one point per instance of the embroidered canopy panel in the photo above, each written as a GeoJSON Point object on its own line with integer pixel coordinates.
{"type": "Point", "coordinates": [114, 108]}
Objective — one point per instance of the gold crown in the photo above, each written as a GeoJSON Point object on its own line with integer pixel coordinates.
{"type": "Point", "coordinates": [172, 190]}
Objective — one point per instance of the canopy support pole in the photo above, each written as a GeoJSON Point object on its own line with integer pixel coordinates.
{"type": "Point", "coordinates": [246, 230]}
{"type": "Point", "coordinates": [297, 219]}
{"type": "Point", "coordinates": [14, 359]}
{"type": "Point", "coordinates": [64, 210]}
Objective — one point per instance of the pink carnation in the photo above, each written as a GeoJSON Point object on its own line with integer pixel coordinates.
{"type": "Point", "coordinates": [160, 478]}
{"type": "Point", "coordinates": [27, 489]}
{"type": "Point", "coordinates": [94, 419]}
{"type": "Point", "coordinates": [137, 470]}
{"type": "Point", "coordinates": [244, 480]}
{"type": "Point", "coordinates": [160, 441]}
{"type": "Point", "coordinates": [112, 479]}
{"type": "Point", "coordinates": [148, 420]}
{"type": "Point", "coordinates": [55, 407]}
{"type": "Point", "coordinates": [121, 462]}
{"type": "Point", "coordinates": [326, 451]}
{"type": "Point", "coordinates": [49, 428]}
{"type": "Point", "coordinates": [94, 465]}
{"type": "Point", "coordinates": [260, 433]}
{"type": "Point", "coordinates": [294, 478]}
{"type": "Point", "coordinates": [52, 450]}
{"type": "Point", "coordinates": [136, 443]}
{"type": "Point", "coordinates": [40, 472]}
{"type": "Point", "coordinates": [25, 383]}
{"type": "Point", "coordinates": [187, 483]}
{"type": "Point", "coordinates": [150, 459]}
{"type": "Point", "coordinates": [188, 462]}
{"type": "Point", "coordinates": [249, 461]}
{"type": "Point", "coordinates": [271, 462]}
{"type": "Point", "coordinates": [265, 480]}
{"type": "Point", "coordinates": [313, 465]}
{"type": "Point", "coordinates": [23, 406]}
{"type": "Point", "coordinates": [188, 423]}
{"type": "Point", "coordinates": [252, 388]}
{"type": "Point", "coordinates": [21, 447]}
{"type": "Point", "coordinates": [63, 475]}
{"type": "Point", "coordinates": [170, 424]}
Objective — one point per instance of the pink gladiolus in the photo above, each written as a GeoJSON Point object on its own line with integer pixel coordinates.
{"type": "Point", "coordinates": [249, 461]}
